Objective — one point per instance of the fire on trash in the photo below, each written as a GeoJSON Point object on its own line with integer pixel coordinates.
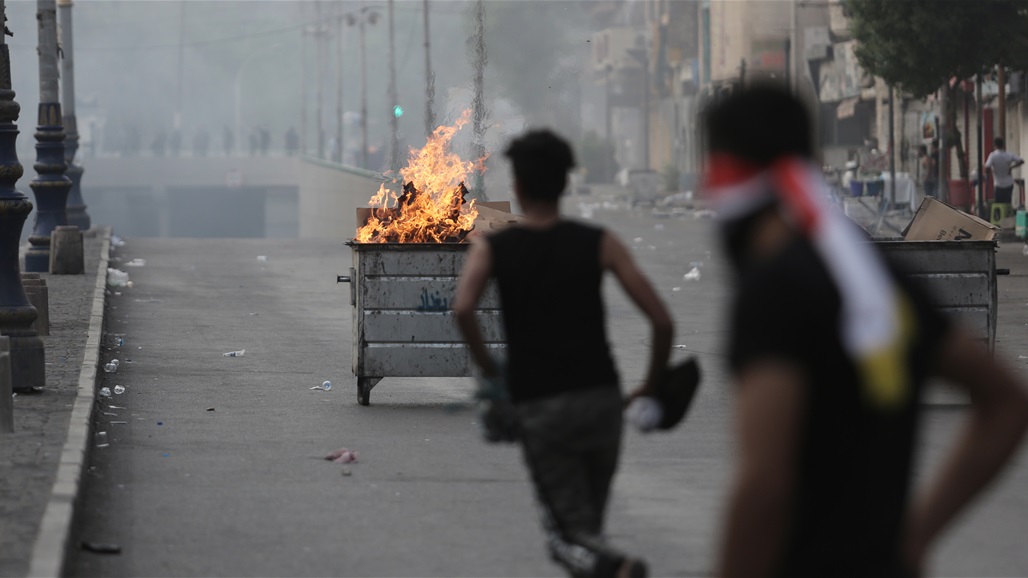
{"type": "Point", "coordinates": [433, 205]}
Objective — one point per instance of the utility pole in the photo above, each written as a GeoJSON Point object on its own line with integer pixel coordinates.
{"type": "Point", "coordinates": [943, 160]}
{"type": "Point", "coordinates": [319, 117]}
{"type": "Point", "coordinates": [980, 195]}
{"type": "Point", "coordinates": [394, 119]}
{"type": "Point", "coordinates": [429, 80]}
{"type": "Point", "coordinates": [892, 147]}
{"type": "Point", "coordinates": [50, 186]}
{"type": "Point", "coordinates": [1001, 103]}
{"type": "Point", "coordinates": [642, 56]}
{"type": "Point", "coordinates": [366, 15]}
{"type": "Point", "coordinates": [339, 85]}
{"type": "Point", "coordinates": [76, 208]}
{"type": "Point", "coordinates": [177, 121]}
{"type": "Point", "coordinates": [303, 83]}
{"type": "Point", "coordinates": [478, 109]}
{"type": "Point", "coordinates": [28, 357]}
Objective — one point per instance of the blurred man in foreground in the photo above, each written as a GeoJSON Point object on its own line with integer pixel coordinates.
{"type": "Point", "coordinates": [560, 375]}
{"type": "Point", "coordinates": [830, 349]}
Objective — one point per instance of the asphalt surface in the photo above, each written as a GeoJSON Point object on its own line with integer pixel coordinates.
{"type": "Point", "coordinates": [214, 465]}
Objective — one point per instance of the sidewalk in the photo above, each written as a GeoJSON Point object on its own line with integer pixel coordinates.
{"type": "Point", "coordinates": [29, 457]}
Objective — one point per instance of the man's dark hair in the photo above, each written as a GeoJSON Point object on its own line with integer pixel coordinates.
{"type": "Point", "coordinates": [541, 162]}
{"type": "Point", "coordinates": [759, 124]}
{"type": "Point", "coordinates": [999, 142]}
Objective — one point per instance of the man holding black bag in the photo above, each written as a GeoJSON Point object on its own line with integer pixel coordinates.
{"type": "Point", "coordinates": [559, 384]}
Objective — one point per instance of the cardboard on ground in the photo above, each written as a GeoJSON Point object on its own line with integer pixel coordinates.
{"type": "Point", "coordinates": [937, 221]}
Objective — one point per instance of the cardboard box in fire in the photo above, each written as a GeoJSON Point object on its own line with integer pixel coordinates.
{"type": "Point", "coordinates": [492, 216]}
{"type": "Point", "coordinates": [937, 221]}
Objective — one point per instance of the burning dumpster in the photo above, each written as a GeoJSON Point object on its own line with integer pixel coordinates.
{"type": "Point", "coordinates": [408, 253]}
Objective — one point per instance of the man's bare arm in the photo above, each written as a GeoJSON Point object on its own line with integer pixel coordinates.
{"type": "Point", "coordinates": [473, 281]}
{"type": "Point", "coordinates": [769, 407]}
{"type": "Point", "coordinates": [999, 416]}
{"type": "Point", "coordinates": [616, 258]}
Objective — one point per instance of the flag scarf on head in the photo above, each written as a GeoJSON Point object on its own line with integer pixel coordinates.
{"type": "Point", "coordinates": [876, 320]}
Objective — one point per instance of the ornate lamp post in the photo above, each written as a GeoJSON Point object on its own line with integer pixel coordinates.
{"type": "Point", "coordinates": [50, 186]}
{"type": "Point", "coordinates": [28, 363]}
{"type": "Point", "coordinates": [76, 207]}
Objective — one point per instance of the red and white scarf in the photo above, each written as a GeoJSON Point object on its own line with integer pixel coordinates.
{"type": "Point", "coordinates": [876, 322]}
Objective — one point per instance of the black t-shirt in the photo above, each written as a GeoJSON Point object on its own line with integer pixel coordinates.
{"type": "Point", "coordinates": [855, 457]}
{"type": "Point", "coordinates": [549, 281]}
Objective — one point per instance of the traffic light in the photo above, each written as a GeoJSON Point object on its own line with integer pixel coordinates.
{"type": "Point", "coordinates": [397, 111]}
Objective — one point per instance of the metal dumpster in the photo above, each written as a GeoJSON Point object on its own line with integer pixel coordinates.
{"type": "Point", "coordinates": [403, 326]}
{"type": "Point", "coordinates": [959, 275]}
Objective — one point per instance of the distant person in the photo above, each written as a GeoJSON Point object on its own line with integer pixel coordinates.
{"type": "Point", "coordinates": [201, 142]}
{"type": "Point", "coordinates": [160, 144]}
{"type": "Point", "coordinates": [228, 140]}
{"type": "Point", "coordinates": [175, 142]}
{"type": "Point", "coordinates": [1001, 163]}
{"type": "Point", "coordinates": [929, 171]}
{"type": "Point", "coordinates": [830, 350]}
{"type": "Point", "coordinates": [292, 141]}
{"type": "Point", "coordinates": [265, 139]}
{"type": "Point", "coordinates": [560, 374]}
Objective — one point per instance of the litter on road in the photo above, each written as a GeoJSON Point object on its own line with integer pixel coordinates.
{"type": "Point", "coordinates": [692, 275]}
{"type": "Point", "coordinates": [239, 353]}
{"type": "Point", "coordinates": [342, 456]}
{"type": "Point", "coordinates": [326, 386]}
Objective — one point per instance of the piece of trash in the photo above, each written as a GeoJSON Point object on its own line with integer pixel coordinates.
{"type": "Point", "coordinates": [117, 278]}
{"type": "Point", "coordinates": [115, 407]}
{"type": "Point", "coordinates": [136, 263]}
{"type": "Point", "coordinates": [165, 455]}
{"type": "Point", "coordinates": [110, 414]}
{"type": "Point", "coordinates": [692, 275]}
{"type": "Point", "coordinates": [254, 314]}
{"type": "Point", "coordinates": [111, 366]}
{"type": "Point", "coordinates": [101, 439]}
{"type": "Point", "coordinates": [160, 423]}
{"type": "Point", "coordinates": [347, 472]}
{"type": "Point", "coordinates": [119, 389]}
{"type": "Point", "coordinates": [676, 289]}
{"type": "Point", "coordinates": [116, 241]}
{"type": "Point", "coordinates": [99, 547]}
{"type": "Point", "coordinates": [342, 456]}
{"type": "Point", "coordinates": [210, 409]}
{"type": "Point", "coordinates": [262, 258]}
{"type": "Point", "coordinates": [326, 386]}
{"type": "Point", "coordinates": [105, 392]}
{"type": "Point", "coordinates": [239, 353]}
{"type": "Point", "coordinates": [149, 300]}
{"type": "Point", "coordinates": [1025, 250]}
{"type": "Point", "coordinates": [1022, 356]}
{"type": "Point", "coordinates": [681, 347]}
{"type": "Point", "coordinates": [121, 422]}
{"type": "Point", "coordinates": [117, 293]}
{"type": "Point", "coordinates": [121, 342]}
{"type": "Point", "coordinates": [637, 240]}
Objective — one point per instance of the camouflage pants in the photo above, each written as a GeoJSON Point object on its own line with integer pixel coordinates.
{"type": "Point", "coordinates": [571, 444]}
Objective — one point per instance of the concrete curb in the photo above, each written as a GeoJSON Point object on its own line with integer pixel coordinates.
{"type": "Point", "coordinates": [48, 554]}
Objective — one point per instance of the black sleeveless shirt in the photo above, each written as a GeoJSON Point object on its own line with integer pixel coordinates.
{"type": "Point", "coordinates": [549, 282]}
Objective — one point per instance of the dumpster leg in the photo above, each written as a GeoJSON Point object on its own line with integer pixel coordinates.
{"type": "Point", "coordinates": [364, 385]}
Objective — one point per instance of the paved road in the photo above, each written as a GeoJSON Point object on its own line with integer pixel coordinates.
{"type": "Point", "coordinates": [241, 490]}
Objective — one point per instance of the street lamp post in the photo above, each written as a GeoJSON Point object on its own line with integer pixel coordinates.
{"type": "Point", "coordinates": [76, 208]}
{"type": "Point", "coordinates": [368, 15]}
{"type": "Point", "coordinates": [28, 360]}
{"type": "Point", "coordinates": [429, 80]}
{"type": "Point", "coordinates": [394, 119]}
{"type": "Point", "coordinates": [339, 90]}
{"type": "Point", "coordinates": [50, 186]}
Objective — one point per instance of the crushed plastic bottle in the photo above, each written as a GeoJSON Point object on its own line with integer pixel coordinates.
{"type": "Point", "coordinates": [101, 439]}
{"type": "Point", "coordinates": [110, 367]}
{"type": "Point", "coordinates": [105, 392]}
{"type": "Point", "coordinates": [117, 278]}
{"type": "Point", "coordinates": [692, 275]}
{"type": "Point", "coordinates": [119, 389]}
{"type": "Point", "coordinates": [136, 263]}
{"type": "Point", "coordinates": [239, 353]}
{"type": "Point", "coordinates": [326, 386]}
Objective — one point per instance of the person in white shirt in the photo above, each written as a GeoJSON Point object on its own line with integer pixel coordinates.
{"type": "Point", "coordinates": [1000, 162]}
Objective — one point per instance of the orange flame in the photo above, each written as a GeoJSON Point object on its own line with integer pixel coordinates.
{"type": "Point", "coordinates": [431, 208]}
